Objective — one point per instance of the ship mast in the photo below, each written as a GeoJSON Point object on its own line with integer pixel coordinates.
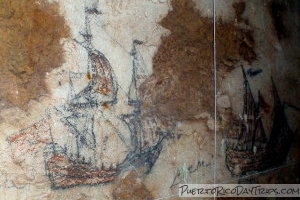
{"type": "Point", "coordinates": [252, 130]}
{"type": "Point", "coordinates": [133, 97]}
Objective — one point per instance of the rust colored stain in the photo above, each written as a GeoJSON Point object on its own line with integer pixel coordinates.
{"type": "Point", "coordinates": [181, 85]}
{"type": "Point", "coordinates": [131, 188]}
{"type": "Point", "coordinates": [105, 106]}
{"type": "Point", "coordinates": [29, 48]}
{"type": "Point", "coordinates": [89, 76]}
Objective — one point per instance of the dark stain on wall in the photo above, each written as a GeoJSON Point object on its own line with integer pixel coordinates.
{"type": "Point", "coordinates": [239, 9]}
{"type": "Point", "coordinates": [278, 11]}
{"type": "Point", "coordinates": [285, 18]}
{"type": "Point", "coordinates": [181, 85]}
{"type": "Point", "coordinates": [30, 46]}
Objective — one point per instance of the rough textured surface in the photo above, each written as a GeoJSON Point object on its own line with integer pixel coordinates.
{"type": "Point", "coordinates": [164, 44]}
{"type": "Point", "coordinates": [131, 188]}
{"type": "Point", "coordinates": [181, 86]}
{"type": "Point", "coordinates": [30, 46]}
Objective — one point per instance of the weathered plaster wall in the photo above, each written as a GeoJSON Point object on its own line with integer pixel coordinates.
{"type": "Point", "coordinates": [145, 119]}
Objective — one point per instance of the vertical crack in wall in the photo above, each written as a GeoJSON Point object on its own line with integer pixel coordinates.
{"type": "Point", "coordinates": [30, 46]}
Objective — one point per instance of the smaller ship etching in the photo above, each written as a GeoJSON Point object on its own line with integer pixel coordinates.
{"type": "Point", "coordinates": [247, 147]}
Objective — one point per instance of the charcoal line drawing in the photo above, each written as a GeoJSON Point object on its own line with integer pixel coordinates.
{"type": "Point", "coordinates": [247, 147]}
{"type": "Point", "coordinates": [254, 72]}
{"type": "Point", "coordinates": [85, 154]}
{"type": "Point", "coordinates": [180, 173]}
{"type": "Point", "coordinates": [85, 142]}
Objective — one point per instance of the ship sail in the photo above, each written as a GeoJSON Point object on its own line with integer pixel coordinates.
{"type": "Point", "coordinates": [281, 135]}
{"type": "Point", "coordinates": [250, 132]}
{"type": "Point", "coordinates": [102, 87]}
{"type": "Point", "coordinates": [133, 98]}
{"type": "Point", "coordinates": [246, 139]}
{"type": "Point", "coordinates": [249, 120]}
{"type": "Point", "coordinates": [247, 148]}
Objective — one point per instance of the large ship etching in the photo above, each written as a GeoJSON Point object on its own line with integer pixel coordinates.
{"type": "Point", "coordinates": [97, 144]}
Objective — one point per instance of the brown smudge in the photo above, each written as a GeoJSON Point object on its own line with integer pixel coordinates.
{"type": "Point", "coordinates": [105, 106]}
{"type": "Point", "coordinates": [182, 85]}
{"type": "Point", "coordinates": [131, 188]}
{"type": "Point", "coordinates": [29, 48]}
{"type": "Point", "coordinates": [89, 76]}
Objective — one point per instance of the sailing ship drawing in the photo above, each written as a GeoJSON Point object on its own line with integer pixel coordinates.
{"type": "Point", "coordinates": [86, 142]}
{"type": "Point", "coordinates": [89, 143]}
{"type": "Point", "coordinates": [80, 161]}
{"type": "Point", "coordinates": [247, 147]}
